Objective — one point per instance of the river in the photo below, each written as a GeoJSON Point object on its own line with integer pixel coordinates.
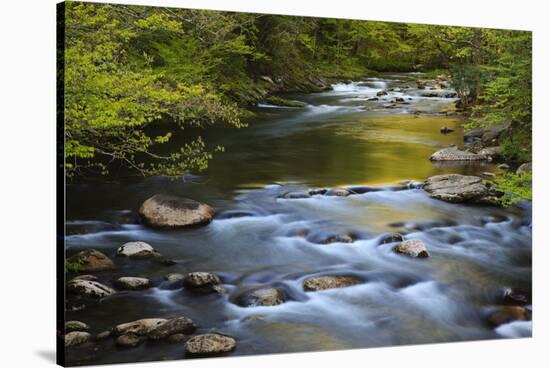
{"type": "Point", "coordinates": [340, 138]}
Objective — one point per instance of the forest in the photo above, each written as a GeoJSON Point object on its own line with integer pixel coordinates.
{"type": "Point", "coordinates": [128, 68]}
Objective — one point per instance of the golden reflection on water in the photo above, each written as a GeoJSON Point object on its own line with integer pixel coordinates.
{"type": "Point", "coordinates": [361, 149]}
{"type": "Point", "coordinates": [405, 144]}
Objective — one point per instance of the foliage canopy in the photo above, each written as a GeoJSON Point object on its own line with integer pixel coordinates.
{"type": "Point", "coordinates": [134, 75]}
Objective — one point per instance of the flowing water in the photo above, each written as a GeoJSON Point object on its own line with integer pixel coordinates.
{"type": "Point", "coordinates": [339, 138]}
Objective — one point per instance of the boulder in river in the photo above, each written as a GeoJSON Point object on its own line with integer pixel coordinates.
{"type": "Point", "coordinates": [203, 281]}
{"type": "Point", "coordinates": [455, 154]}
{"type": "Point", "coordinates": [431, 94]}
{"type": "Point", "coordinates": [457, 188]}
{"type": "Point", "coordinates": [86, 277]}
{"type": "Point", "coordinates": [493, 134]}
{"type": "Point", "coordinates": [509, 314]}
{"type": "Point", "coordinates": [166, 211]}
{"type": "Point", "coordinates": [141, 327]}
{"type": "Point", "coordinates": [89, 289]}
{"type": "Point", "coordinates": [491, 153]}
{"type": "Point", "coordinates": [329, 282]}
{"type": "Point", "coordinates": [516, 297]}
{"type": "Point", "coordinates": [317, 191]}
{"type": "Point", "coordinates": [176, 338]}
{"type": "Point", "coordinates": [381, 93]}
{"type": "Point", "coordinates": [137, 249]}
{"type": "Point", "coordinates": [75, 338]}
{"type": "Point", "coordinates": [133, 283]}
{"type": "Point", "coordinates": [89, 260]}
{"type": "Point", "coordinates": [421, 83]}
{"type": "Point", "coordinates": [338, 192]}
{"type": "Point", "coordinates": [71, 326]}
{"type": "Point", "coordinates": [473, 135]}
{"type": "Point", "coordinates": [446, 130]}
{"type": "Point", "coordinates": [413, 248]}
{"type": "Point", "coordinates": [179, 325]}
{"type": "Point", "coordinates": [210, 344]}
{"type": "Point", "coordinates": [263, 297]}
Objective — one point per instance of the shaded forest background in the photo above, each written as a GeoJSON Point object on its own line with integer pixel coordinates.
{"type": "Point", "coordinates": [128, 68]}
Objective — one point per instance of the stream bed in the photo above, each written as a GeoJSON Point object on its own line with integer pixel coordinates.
{"type": "Point", "coordinates": [341, 138]}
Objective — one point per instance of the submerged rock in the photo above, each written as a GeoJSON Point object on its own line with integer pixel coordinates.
{"type": "Point", "coordinates": [262, 298]}
{"type": "Point", "coordinates": [133, 283]}
{"type": "Point", "coordinates": [454, 154]}
{"type": "Point", "coordinates": [279, 101]}
{"type": "Point", "coordinates": [329, 282]}
{"type": "Point", "coordinates": [89, 289]}
{"type": "Point", "coordinates": [210, 344]}
{"type": "Point", "coordinates": [457, 188]}
{"type": "Point", "coordinates": [516, 297]}
{"type": "Point", "coordinates": [71, 326]}
{"type": "Point", "coordinates": [390, 238]}
{"type": "Point", "coordinates": [413, 248]}
{"type": "Point", "coordinates": [141, 327]}
{"type": "Point", "coordinates": [90, 260]}
{"type": "Point", "coordinates": [166, 211]}
{"type": "Point", "coordinates": [137, 249]}
{"type": "Point", "coordinates": [203, 281]}
{"type": "Point", "coordinates": [129, 340]}
{"type": "Point", "coordinates": [445, 130]}
{"type": "Point", "coordinates": [296, 195]}
{"type": "Point", "coordinates": [338, 192]}
{"type": "Point", "coordinates": [173, 277]}
{"type": "Point", "coordinates": [338, 238]}
{"type": "Point", "coordinates": [235, 214]}
{"type": "Point", "coordinates": [103, 335]}
{"type": "Point", "coordinates": [75, 338]}
{"type": "Point", "coordinates": [509, 314]}
{"type": "Point", "coordinates": [317, 191]}
{"type": "Point", "coordinates": [431, 94]}
{"type": "Point", "coordinates": [179, 325]}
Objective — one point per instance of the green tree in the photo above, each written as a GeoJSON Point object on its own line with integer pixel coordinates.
{"type": "Point", "coordinates": [113, 94]}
